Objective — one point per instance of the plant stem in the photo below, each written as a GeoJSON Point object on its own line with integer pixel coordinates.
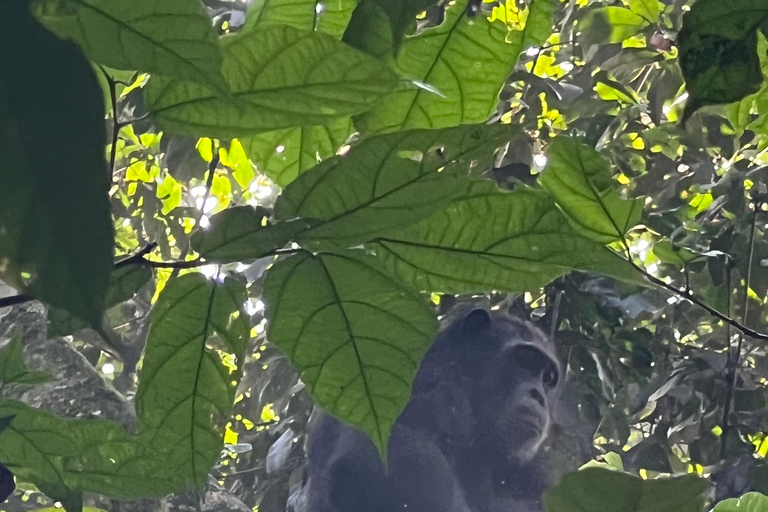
{"type": "Point", "coordinates": [734, 356]}
{"type": "Point", "coordinates": [115, 123]}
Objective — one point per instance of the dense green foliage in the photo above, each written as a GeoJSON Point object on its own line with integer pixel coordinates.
{"type": "Point", "coordinates": [291, 193]}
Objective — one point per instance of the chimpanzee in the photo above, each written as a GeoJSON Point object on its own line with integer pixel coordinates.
{"type": "Point", "coordinates": [468, 439]}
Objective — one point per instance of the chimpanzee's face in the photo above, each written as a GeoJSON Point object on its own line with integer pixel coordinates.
{"type": "Point", "coordinates": [529, 379]}
{"type": "Point", "coordinates": [516, 378]}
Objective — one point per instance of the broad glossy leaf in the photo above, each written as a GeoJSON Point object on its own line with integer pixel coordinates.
{"type": "Point", "coordinates": [185, 390]}
{"type": "Point", "coordinates": [604, 490]}
{"type": "Point", "coordinates": [13, 369]}
{"type": "Point", "coordinates": [387, 181]}
{"type": "Point", "coordinates": [718, 51]}
{"type": "Point", "coordinates": [54, 209]}
{"type": "Point", "coordinates": [175, 38]}
{"type": "Point", "coordinates": [280, 77]}
{"type": "Point", "coordinates": [355, 334]}
{"type": "Point", "coordinates": [490, 239]}
{"type": "Point", "coordinates": [244, 233]}
{"type": "Point", "coordinates": [610, 24]}
{"type": "Point", "coordinates": [750, 502]}
{"type": "Point", "coordinates": [284, 154]}
{"type": "Point", "coordinates": [124, 283]}
{"type": "Point", "coordinates": [580, 181]}
{"type": "Point", "coordinates": [456, 71]}
{"type": "Point", "coordinates": [330, 17]}
{"type": "Point", "coordinates": [378, 26]}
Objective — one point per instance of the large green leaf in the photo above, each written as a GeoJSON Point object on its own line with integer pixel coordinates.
{"type": "Point", "coordinates": [718, 51]}
{"type": "Point", "coordinates": [185, 390]}
{"type": "Point", "coordinates": [55, 226]}
{"type": "Point", "coordinates": [580, 181]}
{"type": "Point", "coordinates": [604, 490]}
{"type": "Point", "coordinates": [244, 233]}
{"type": "Point", "coordinates": [355, 334]}
{"type": "Point", "coordinates": [284, 154]}
{"type": "Point", "coordinates": [175, 38]}
{"type": "Point", "coordinates": [750, 502]}
{"type": "Point", "coordinates": [65, 457]}
{"type": "Point", "coordinates": [387, 181]}
{"type": "Point", "coordinates": [490, 239]}
{"type": "Point", "coordinates": [378, 26]}
{"type": "Point", "coordinates": [457, 70]}
{"type": "Point", "coordinates": [124, 283]}
{"type": "Point", "coordinates": [328, 17]}
{"type": "Point", "coordinates": [280, 77]}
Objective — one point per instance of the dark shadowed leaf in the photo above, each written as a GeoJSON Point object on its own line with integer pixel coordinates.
{"type": "Point", "coordinates": [355, 334]}
{"type": "Point", "coordinates": [13, 369]}
{"type": "Point", "coordinates": [456, 71]}
{"type": "Point", "coordinates": [580, 181]}
{"type": "Point", "coordinates": [174, 38]}
{"type": "Point", "coordinates": [603, 490]}
{"type": "Point", "coordinates": [718, 51]}
{"type": "Point", "coordinates": [244, 233]}
{"type": "Point", "coordinates": [55, 227]}
{"type": "Point", "coordinates": [280, 77]}
{"type": "Point", "coordinates": [610, 25]}
{"type": "Point", "coordinates": [750, 502]}
{"type": "Point", "coordinates": [378, 26]}
{"type": "Point", "coordinates": [284, 154]}
{"type": "Point", "coordinates": [388, 181]}
{"type": "Point", "coordinates": [186, 390]}
{"type": "Point", "coordinates": [489, 239]}
{"type": "Point", "coordinates": [328, 17]}
{"type": "Point", "coordinates": [124, 283]}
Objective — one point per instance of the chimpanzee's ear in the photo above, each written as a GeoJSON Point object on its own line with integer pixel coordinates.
{"type": "Point", "coordinates": [477, 322]}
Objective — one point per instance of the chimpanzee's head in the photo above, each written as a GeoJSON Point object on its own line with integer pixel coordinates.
{"type": "Point", "coordinates": [507, 374]}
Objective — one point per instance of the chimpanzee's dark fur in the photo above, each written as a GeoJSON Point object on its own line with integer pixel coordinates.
{"type": "Point", "coordinates": [467, 441]}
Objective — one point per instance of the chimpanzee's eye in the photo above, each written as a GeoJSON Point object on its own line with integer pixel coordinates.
{"type": "Point", "coordinates": [549, 377]}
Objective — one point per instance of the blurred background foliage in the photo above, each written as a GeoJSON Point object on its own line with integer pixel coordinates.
{"type": "Point", "coordinates": [654, 384]}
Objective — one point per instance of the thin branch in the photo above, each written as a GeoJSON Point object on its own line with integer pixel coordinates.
{"type": "Point", "coordinates": [728, 268]}
{"type": "Point", "coordinates": [13, 300]}
{"type": "Point", "coordinates": [709, 309]}
{"type": "Point", "coordinates": [282, 252]}
{"type": "Point", "coordinates": [137, 258]}
{"type": "Point", "coordinates": [115, 123]}
{"type": "Point", "coordinates": [554, 327]}
{"type": "Point", "coordinates": [178, 265]}
{"type": "Point", "coordinates": [698, 302]}
{"type": "Point", "coordinates": [734, 356]}
{"type": "Point", "coordinates": [135, 120]}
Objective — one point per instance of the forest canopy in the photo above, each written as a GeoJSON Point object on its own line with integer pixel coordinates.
{"type": "Point", "coordinates": [215, 215]}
